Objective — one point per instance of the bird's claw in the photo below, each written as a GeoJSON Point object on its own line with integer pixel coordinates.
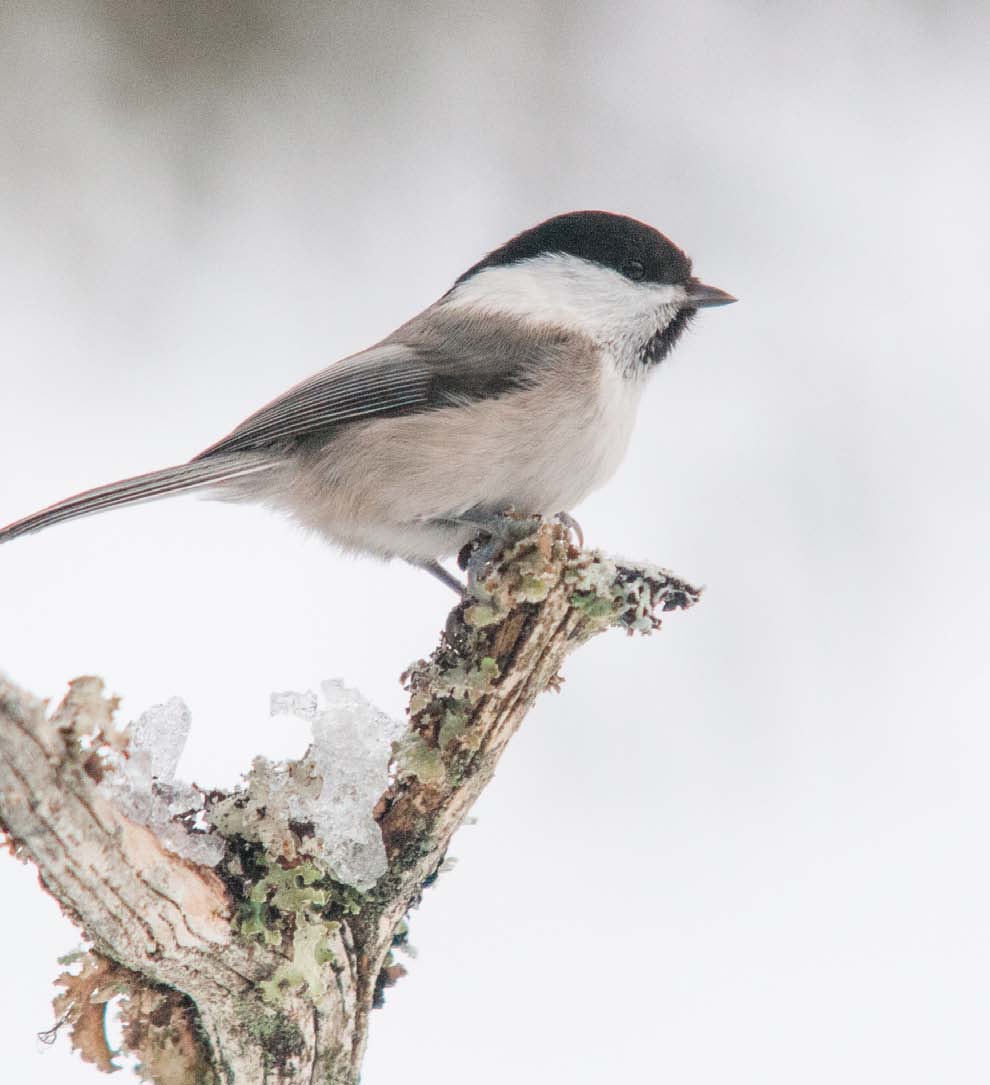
{"type": "Point", "coordinates": [573, 526]}
{"type": "Point", "coordinates": [496, 531]}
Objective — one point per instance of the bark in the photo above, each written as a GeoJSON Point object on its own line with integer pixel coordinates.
{"type": "Point", "coordinates": [265, 969]}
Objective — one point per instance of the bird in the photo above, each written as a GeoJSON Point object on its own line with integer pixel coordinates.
{"type": "Point", "coordinates": [515, 390]}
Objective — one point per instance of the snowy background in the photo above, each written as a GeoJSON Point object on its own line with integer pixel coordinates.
{"type": "Point", "coordinates": [751, 849]}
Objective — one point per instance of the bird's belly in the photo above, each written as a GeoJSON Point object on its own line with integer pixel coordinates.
{"type": "Point", "coordinates": [393, 486]}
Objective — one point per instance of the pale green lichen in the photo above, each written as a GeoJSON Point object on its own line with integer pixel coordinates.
{"type": "Point", "coordinates": [441, 701]}
{"type": "Point", "coordinates": [608, 592]}
{"type": "Point", "coordinates": [297, 906]}
{"type": "Point", "coordinates": [305, 887]}
{"type": "Point", "coordinates": [592, 574]}
{"type": "Point", "coordinates": [255, 922]}
{"type": "Point", "coordinates": [453, 724]}
{"type": "Point", "coordinates": [259, 813]}
{"type": "Point", "coordinates": [593, 590]}
{"type": "Point", "coordinates": [537, 574]}
{"type": "Point", "coordinates": [281, 892]}
{"type": "Point", "coordinates": [307, 970]}
{"type": "Point", "coordinates": [461, 682]}
{"type": "Point", "coordinates": [533, 589]}
{"type": "Point", "coordinates": [291, 890]}
{"type": "Point", "coordinates": [72, 957]}
{"type": "Point", "coordinates": [593, 606]}
{"type": "Point", "coordinates": [525, 571]}
{"type": "Point", "coordinates": [413, 757]}
{"type": "Point", "coordinates": [445, 690]}
{"type": "Point", "coordinates": [482, 615]}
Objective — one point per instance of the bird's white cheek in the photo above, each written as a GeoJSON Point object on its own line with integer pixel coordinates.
{"type": "Point", "coordinates": [568, 292]}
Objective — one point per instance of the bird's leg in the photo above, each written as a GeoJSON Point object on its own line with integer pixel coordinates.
{"type": "Point", "coordinates": [434, 568]}
{"type": "Point", "coordinates": [476, 555]}
{"type": "Point", "coordinates": [502, 530]}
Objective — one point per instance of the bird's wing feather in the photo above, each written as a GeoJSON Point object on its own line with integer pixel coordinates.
{"type": "Point", "coordinates": [429, 367]}
{"type": "Point", "coordinates": [378, 381]}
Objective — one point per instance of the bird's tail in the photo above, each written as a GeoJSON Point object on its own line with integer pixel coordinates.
{"type": "Point", "coordinates": [149, 487]}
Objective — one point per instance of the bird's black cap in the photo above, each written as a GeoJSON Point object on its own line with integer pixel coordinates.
{"type": "Point", "coordinates": [615, 241]}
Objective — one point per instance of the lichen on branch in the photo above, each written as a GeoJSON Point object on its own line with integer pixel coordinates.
{"type": "Point", "coordinates": [249, 933]}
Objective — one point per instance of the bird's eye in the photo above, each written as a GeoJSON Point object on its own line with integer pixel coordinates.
{"type": "Point", "coordinates": [633, 269]}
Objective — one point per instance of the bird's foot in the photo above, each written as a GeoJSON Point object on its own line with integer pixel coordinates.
{"type": "Point", "coordinates": [508, 527]}
{"type": "Point", "coordinates": [572, 526]}
{"type": "Point", "coordinates": [497, 531]}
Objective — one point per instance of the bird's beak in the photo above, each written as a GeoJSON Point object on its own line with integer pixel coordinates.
{"type": "Point", "coordinates": [699, 296]}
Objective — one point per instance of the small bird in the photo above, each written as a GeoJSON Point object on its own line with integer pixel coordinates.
{"type": "Point", "coordinates": [516, 390]}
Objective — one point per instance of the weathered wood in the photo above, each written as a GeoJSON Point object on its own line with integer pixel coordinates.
{"type": "Point", "coordinates": [265, 970]}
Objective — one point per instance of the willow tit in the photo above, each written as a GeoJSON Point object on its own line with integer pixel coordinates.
{"type": "Point", "coordinates": [516, 389]}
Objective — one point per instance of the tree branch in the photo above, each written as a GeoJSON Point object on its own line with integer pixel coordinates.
{"type": "Point", "coordinates": [267, 967]}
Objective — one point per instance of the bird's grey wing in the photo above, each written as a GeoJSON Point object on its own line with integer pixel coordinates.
{"type": "Point", "coordinates": [382, 380]}
{"type": "Point", "coordinates": [432, 365]}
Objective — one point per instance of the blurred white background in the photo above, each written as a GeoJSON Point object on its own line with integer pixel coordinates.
{"type": "Point", "coordinates": [750, 849]}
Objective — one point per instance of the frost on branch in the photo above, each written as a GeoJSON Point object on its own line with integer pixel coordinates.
{"type": "Point", "coordinates": [252, 932]}
{"type": "Point", "coordinates": [143, 786]}
{"type": "Point", "coordinates": [332, 790]}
